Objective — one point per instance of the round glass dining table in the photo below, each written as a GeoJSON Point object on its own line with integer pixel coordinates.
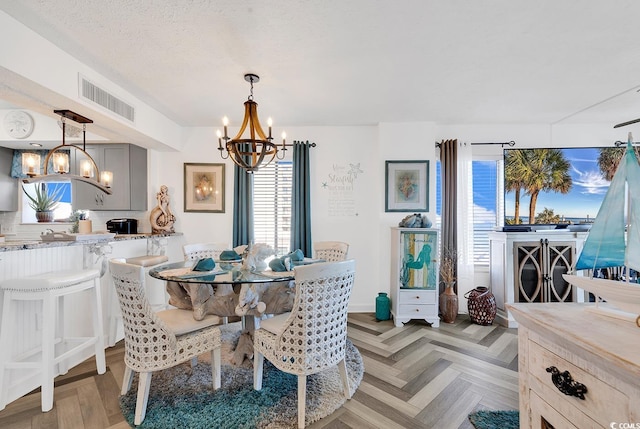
{"type": "Point", "coordinates": [227, 278]}
{"type": "Point", "coordinates": [228, 291]}
{"type": "Point", "coordinates": [223, 273]}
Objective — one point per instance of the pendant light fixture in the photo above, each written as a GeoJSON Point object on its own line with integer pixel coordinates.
{"type": "Point", "coordinates": [257, 149]}
{"type": "Point", "coordinates": [59, 158]}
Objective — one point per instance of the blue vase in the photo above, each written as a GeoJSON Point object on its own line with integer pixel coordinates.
{"type": "Point", "coordinates": [383, 306]}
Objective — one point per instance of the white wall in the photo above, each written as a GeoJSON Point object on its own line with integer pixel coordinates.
{"type": "Point", "coordinates": [347, 191]}
{"type": "Point", "coordinates": [346, 196]}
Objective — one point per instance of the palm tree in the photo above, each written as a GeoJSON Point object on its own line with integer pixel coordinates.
{"type": "Point", "coordinates": [515, 166]}
{"type": "Point", "coordinates": [547, 170]}
{"type": "Point", "coordinates": [548, 216]}
{"type": "Point", "coordinates": [608, 161]}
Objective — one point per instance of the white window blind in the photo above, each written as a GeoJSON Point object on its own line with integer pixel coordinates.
{"type": "Point", "coordinates": [488, 204]}
{"type": "Point", "coordinates": [272, 205]}
{"type": "Point", "coordinates": [487, 197]}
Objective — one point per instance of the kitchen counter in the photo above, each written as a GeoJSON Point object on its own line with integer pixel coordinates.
{"type": "Point", "coordinates": [13, 245]}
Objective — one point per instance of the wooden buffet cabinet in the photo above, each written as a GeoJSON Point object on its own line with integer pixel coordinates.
{"type": "Point", "coordinates": [601, 356]}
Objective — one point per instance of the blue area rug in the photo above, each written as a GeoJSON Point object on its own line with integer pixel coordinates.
{"type": "Point", "coordinates": [486, 419]}
{"type": "Point", "coordinates": [182, 397]}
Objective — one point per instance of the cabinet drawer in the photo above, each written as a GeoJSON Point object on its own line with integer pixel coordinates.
{"type": "Point", "coordinates": [418, 311]}
{"type": "Point", "coordinates": [417, 297]}
{"type": "Point", "coordinates": [602, 402]}
{"type": "Point", "coordinates": [542, 413]}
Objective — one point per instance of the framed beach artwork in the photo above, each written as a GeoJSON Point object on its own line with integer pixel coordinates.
{"type": "Point", "coordinates": [204, 188]}
{"type": "Point", "coordinates": [406, 186]}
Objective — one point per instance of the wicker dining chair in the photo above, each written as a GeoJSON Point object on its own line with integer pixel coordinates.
{"type": "Point", "coordinates": [198, 251]}
{"type": "Point", "coordinates": [312, 337]}
{"type": "Point", "coordinates": [331, 251]}
{"type": "Point", "coordinates": [158, 340]}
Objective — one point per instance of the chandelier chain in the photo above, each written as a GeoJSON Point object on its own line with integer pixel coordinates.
{"type": "Point", "coordinates": [250, 98]}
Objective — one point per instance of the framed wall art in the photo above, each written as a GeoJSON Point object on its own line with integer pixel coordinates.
{"type": "Point", "coordinates": [406, 186]}
{"type": "Point", "coordinates": [204, 188]}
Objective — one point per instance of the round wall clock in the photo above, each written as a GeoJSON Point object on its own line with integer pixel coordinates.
{"type": "Point", "coordinates": [18, 124]}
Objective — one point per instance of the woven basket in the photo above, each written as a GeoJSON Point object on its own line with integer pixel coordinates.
{"type": "Point", "coordinates": [481, 305]}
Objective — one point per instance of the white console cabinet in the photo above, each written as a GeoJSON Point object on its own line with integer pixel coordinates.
{"type": "Point", "coordinates": [528, 267]}
{"type": "Point", "coordinates": [414, 275]}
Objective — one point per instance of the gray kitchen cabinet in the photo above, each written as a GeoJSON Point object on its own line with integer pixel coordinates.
{"type": "Point", "coordinates": [129, 188]}
{"type": "Point", "coordinates": [8, 185]}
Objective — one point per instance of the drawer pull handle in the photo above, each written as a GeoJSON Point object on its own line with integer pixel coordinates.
{"type": "Point", "coordinates": [566, 384]}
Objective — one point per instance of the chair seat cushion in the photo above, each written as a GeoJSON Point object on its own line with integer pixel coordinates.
{"type": "Point", "coordinates": [50, 280]}
{"type": "Point", "coordinates": [147, 260]}
{"type": "Point", "coordinates": [182, 322]}
{"type": "Point", "coordinates": [275, 324]}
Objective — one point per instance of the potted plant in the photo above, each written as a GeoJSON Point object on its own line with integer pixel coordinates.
{"type": "Point", "coordinates": [44, 203]}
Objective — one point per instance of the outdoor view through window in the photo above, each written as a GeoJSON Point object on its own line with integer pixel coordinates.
{"type": "Point", "coordinates": [550, 186]}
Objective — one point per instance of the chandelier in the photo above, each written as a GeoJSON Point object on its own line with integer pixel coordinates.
{"type": "Point", "coordinates": [258, 149]}
{"type": "Point", "coordinates": [59, 157]}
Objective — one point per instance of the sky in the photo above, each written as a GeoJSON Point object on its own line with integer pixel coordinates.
{"type": "Point", "coordinates": [584, 198]}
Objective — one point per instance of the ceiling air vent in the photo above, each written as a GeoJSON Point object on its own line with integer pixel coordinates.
{"type": "Point", "coordinates": [93, 93]}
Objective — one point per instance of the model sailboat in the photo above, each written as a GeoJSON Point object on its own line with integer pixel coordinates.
{"type": "Point", "coordinates": [606, 245]}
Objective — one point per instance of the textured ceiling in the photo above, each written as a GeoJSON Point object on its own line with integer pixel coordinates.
{"type": "Point", "coordinates": [355, 62]}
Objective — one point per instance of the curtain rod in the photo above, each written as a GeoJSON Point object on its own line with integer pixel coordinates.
{"type": "Point", "coordinates": [620, 143]}
{"type": "Point", "coordinates": [510, 143]}
{"type": "Point", "coordinates": [296, 141]}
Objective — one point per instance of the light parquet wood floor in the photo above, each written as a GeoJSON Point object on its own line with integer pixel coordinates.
{"type": "Point", "coordinates": [415, 377]}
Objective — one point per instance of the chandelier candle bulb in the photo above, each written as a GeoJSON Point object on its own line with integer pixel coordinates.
{"type": "Point", "coordinates": [86, 169]}
{"type": "Point", "coordinates": [61, 163]}
{"type": "Point", "coordinates": [219, 134]}
{"type": "Point", "coordinates": [29, 163]}
{"type": "Point", "coordinates": [284, 136]}
{"type": "Point", "coordinates": [270, 123]}
{"type": "Point", "coordinates": [107, 178]}
{"type": "Point", "coordinates": [225, 122]}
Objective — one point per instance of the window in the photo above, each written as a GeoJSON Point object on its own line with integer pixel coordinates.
{"type": "Point", "coordinates": [488, 202]}
{"type": "Point", "coordinates": [488, 205]}
{"type": "Point", "coordinates": [272, 205]}
{"type": "Point", "coordinates": [62, 211]}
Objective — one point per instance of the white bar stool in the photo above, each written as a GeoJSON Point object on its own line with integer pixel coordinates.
{"type": "Point", "coordinates": [50, 288]}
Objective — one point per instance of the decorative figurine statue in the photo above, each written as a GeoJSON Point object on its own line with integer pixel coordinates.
{"type": "Point", "coordinates": [255, 259]}
{"type": "Point", "coordinates": [161, 218]}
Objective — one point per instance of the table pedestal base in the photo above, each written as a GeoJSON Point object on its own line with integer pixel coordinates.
{"type": "Point", "coordinates": [251, 302]}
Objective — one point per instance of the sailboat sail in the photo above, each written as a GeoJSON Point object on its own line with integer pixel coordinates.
{"type": "Point", "coordinates": [605, 246]}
